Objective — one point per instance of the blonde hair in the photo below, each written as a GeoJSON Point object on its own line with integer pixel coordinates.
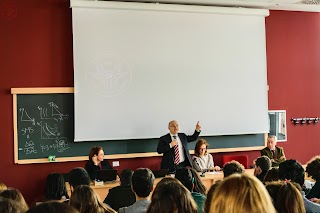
{"type": "Point", "coordinates": [283, 193]}
{"type": "Point", "coordinates": [15, 195]}
{"type": "Point", "coordinates": [86, 200]}
{"type": "Point", "coordinates": [241, 194]}
{"type": "Point", "coordinates": [3, 186]}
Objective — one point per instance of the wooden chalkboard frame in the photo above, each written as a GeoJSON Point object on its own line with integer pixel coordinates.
{"type": "Point", "coordinates": [60, 90]}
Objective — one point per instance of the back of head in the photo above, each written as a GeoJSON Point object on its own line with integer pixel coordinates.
{"type": "Point", "coordinates": [241, 193]}
{"type": "Point", "coordinates": [272, 175]}
{"type": "Point", "coordinates": [264, 163]}
{"type": "Point", "coordinates": [142, 182]}
{"type": "Point", "coordinates": [291, 170]}
{"type": "Point", "coordinates": [86, 200]}
{"type": "Point", "coordinates": [233, 167]}
{"type": "Point", "coordinates": [78, 176]}
{"type": "Point", "coordinates": [171, 196]}
{"type": "Point", "coordinates": [10, 206]}
{"type": "Point", "coordinates": [207, 203]}
{"type": "Point", "coordinates": [283, 194]}
{"type": "Point", "coordinates": [55, 187]}
{"type": "Point", "coordinates": [15, 194]}
{"type": "Point", "coordinates": [52, 207]}
{"type": "Point", "coordinates": [125, 177]}
{"type": "Point", "coordinates": [184, 175]}
{"type": "Point", "coordinates": [313, 168]}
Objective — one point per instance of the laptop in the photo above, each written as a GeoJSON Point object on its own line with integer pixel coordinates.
{"type": "Point", "coordinates": [160, 173]}
{"type": "Point", "coordinates": [107, 175]}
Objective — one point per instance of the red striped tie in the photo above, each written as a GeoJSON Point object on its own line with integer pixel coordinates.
{"type": "Point", "coordinates": [176, 153]}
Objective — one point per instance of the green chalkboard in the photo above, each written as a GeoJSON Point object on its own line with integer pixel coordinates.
{"type": "Point", "coordinates": [45, 126]}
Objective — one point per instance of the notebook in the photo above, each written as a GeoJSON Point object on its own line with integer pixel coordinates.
{"type": "Point", "coordinates": [160, 173]}
{"type": "Point", "coordinates": [107, 175]}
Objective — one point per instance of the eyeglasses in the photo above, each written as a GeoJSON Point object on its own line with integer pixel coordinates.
{"type": "Point", "coordinates": [174, 126]}
{"type": "Point", "coordinates": [202, 148]}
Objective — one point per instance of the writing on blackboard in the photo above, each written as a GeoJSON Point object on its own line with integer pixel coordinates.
{"type": "Point", "coordinates": [35, 129]}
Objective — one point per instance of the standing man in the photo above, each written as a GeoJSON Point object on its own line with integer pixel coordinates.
{"type": "Point", "coordinates": [174, 147]}
{"type": "Point", "coordinates": [275, 153]}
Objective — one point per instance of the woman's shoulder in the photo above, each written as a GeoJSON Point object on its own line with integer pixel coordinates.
{"type": "Point", "coordinates": [196, 157]}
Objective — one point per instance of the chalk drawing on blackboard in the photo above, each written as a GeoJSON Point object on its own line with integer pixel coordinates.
{"type": "Point", "coordinates": [55, 113]}
{"type": "Point", "coordinates": [60, 145]}
{"type": "Point", "coordinates": [28, 148]}
{"type": "Point", "coordinates": [48, 132]}
{"type": "Point", "coordinates": [26, 117]}
{"type": "Point", "coordinates": [27, 131]}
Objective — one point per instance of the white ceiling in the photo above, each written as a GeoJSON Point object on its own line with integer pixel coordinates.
{"type": "Point", "coordinates": [291, 5]}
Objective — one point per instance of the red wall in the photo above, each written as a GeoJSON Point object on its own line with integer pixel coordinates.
{"type": "Point", "coordinates": [36, 51]}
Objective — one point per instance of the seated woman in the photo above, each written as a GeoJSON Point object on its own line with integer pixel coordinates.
{"type": "Point", "coordinates": [85, 200]}
{"type": "Point", "coordinates": [203, 161]}
{"type": "Point", "coordinates": [55, 189]}
{"type": "Point", "coordinates": [96, 162]}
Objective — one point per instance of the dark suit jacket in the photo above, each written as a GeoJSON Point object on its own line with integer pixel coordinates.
{"type": "Point", "coordinates": [119, 197]}
{"type": "Point", "coordinates": [168, 153]}
{"type": "Point", "coordinates": [92, 169]}
{"type": "Point", "coordinates": [279, 153]}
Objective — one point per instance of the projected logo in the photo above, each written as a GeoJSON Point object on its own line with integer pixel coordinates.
{"type": "Point", "coordinates": [110, 77]}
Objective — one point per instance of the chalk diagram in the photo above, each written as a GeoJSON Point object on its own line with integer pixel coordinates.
{"type": "Point", "coordinates": [25, 116]}
{"type": "Point", "coordinates": [50, 117]}
{"type": "Point", "coordinates": [60, 144]}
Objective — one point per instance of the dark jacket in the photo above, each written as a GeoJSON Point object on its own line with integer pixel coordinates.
{"type": "Point", "coordinates": [168, 153]}
{"type": "Point", "coordinates": [92, 169]}
{"type": "Point", "coordinates": [120, 196]}
{"type": "Point", "coordinates": [279, 153]}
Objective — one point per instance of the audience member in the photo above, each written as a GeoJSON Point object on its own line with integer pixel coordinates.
{"type": "Point", "coordinates": [15, 195]}
{"type": "Point", "coordinates": [283, 193]}
{"type": "Point", "coordinates": [142, 186]}
{"type": "Point", "coordinates": [198, 185]}
{"type": "Point", "coordinates": [202, 160]}
{"type": "Point", "coordinates": [85, 200]}
{"type": "Point", "coordinates": [96, 162]}
{"type": "Point", "coordinates": [10, 206]}
{"type": "Point", "coordinates": [261, 167]}
{"type": "Point", "coordinates": [313, 171]}
{"type": "Point", "coordinates": [210, 195]}
{"type": "Point", "coordinates": [292, 170]}
{"type": "Point", "coordinates": [78, 176]}
{"type": "Point", "coordinates": [185, 176]}
{"type": "Point", "coordinates": [242, 194]}
{"type": "Point", "coordinates": [171, 196]}
{"type": "Point", "coordinates": [55, 189]}
{"type": "Point", "coordinates": [233, 167]}
{"type": "Point", "coordinates": [122, 195]}
{"type": "Point", "coordinates": [272, 175]}
{"type": "Point", "coordinates": [53, 207]}
{"type": "Point", "coordinates": [275, 153]}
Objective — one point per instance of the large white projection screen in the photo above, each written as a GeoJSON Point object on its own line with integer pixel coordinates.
{"type": "Point", "coordinates": [138, 65]}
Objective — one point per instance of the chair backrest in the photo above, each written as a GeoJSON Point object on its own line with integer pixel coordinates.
{"type": "Point", "coordinates": [243, 159]}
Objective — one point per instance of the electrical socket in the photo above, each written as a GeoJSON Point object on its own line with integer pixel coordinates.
{"type": "Point", "coordinates": [115, 163]}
